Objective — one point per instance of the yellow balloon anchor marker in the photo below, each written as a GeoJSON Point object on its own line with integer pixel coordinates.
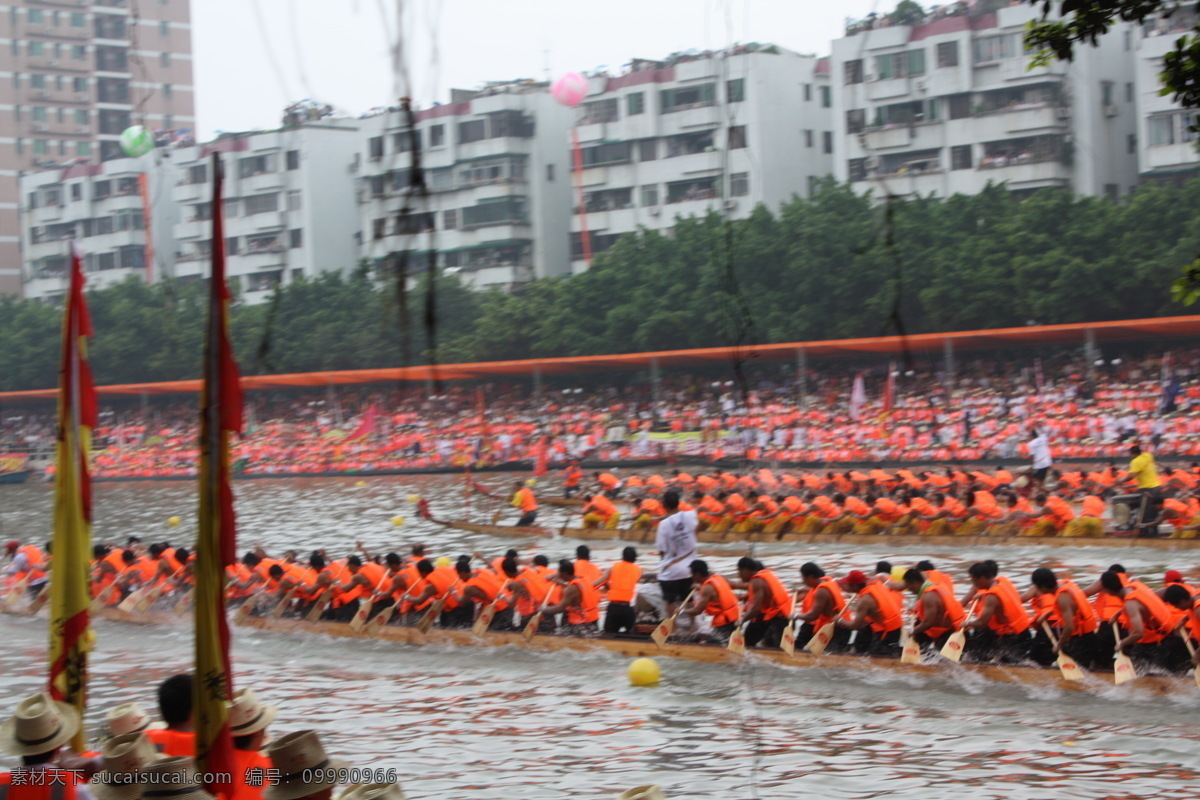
{"type": "Point", "coordinates": [644, 672]}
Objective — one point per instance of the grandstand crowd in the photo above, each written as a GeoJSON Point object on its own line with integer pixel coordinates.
{"type": "Point", "coordinates": [1085, 409]}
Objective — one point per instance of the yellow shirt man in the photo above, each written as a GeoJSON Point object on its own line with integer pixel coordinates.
{"type": "Point", "coordinates": [1144, 469]}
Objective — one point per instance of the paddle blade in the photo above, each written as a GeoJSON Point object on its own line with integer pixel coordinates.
{"type": "Point", "coordinates": [184, 603]}
{"type": "Point", "coordinates": [485, 619]}
{"type": "Point", "coordinates": [379, 620]}
{"type": "Point", "coordinates": [788, 643]}
{"type": "Point", "coordinates": [663, 631]}
{"type": "Point", "coordinates": [240, 615]}
{"type": "Point", "coordinates": [150, 599]}
{"type": "Point", "coordinates": [430, 616]}
{"type": "Point", "coordinates": [737, 642]}
{"type": "Point", "coordinates": [820, 640]}
{"type": "Point", "coordinates": [359, 621]}
{"type": "Point", "coordinates": [911, 654]}
{"type": "Point", "coordinates": [532, 628]}
{"type": "Point", "coordinates": [40, 600]}
{"type": "Point", "coordinates": [1123, 670]}
{"type": "Point", "coordinates": [318, 609]}
{"type": "Point", "coordinates": [1069, 669]}
{"type": "Point", "coordinates": [130, 602]}
{"type": "Point", "coordinates": [953, 649]}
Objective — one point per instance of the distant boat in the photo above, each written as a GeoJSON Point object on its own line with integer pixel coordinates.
{"type": "Point", "coordinates": [15, 477]}
{"type": "Point", "coordinates": [14, 468]}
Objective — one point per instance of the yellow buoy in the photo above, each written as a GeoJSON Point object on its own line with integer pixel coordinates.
{"type": "Point", "coordinates": [643, 672]}
{"type": "Point", "coordinates": [531, 481]}
{"type": "Point", "coordinates": [443, 561]}
{"type": "Point", "coordinates": [898, 573]}
{"type": "Point", "coordinates": [414, 498]}
{"type": "Point", "coordinates": [360, 484]}
{"type": "Point", "coordinates": [398, 520]}
{"type": "Point", "coordinates": [173, 521]}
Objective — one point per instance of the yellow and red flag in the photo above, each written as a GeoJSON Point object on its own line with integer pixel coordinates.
{"type": "Point", "coordinates": [70, 595]}
{"type": "Point", "coordinates": [216, 539]}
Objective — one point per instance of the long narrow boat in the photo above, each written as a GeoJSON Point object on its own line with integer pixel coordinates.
{"type": "Point", "coordinates": [903, 540]}
{"type": "Point", "coordinates": [709, 654]}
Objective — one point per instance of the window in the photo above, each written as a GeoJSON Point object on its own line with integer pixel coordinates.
{"type": "Point", "coordinates": [857, 168]}
{"type": "Point", "coordinates": [261, 203]}
{"type": "Point", "coordinates": [20, 147]}
{"type": "Point", "coordinates": [1129, 93]}
{"type": "Point", "coordinates": [253, 165]}
{"type": "Point", "coordinates": [960, 106]}
{"type": "Point", "coordinates": [995, 48]}
{"type": "Point", "coordinates": [612, 153]}
{"type": "Point", "coordinates": [599, 111]}
{"type": "Point", "coordinates": [500, 211]}
{"type": "Point", "coordinates": [81, 116]}
{"type": "Point", "coordinates": [450, 219]}
{"type": "Point", "coordinates": [826, 97]}
{"type": "Point", "coordinates": [1162, 130]}
{"type": "Point", "coordinates": [960, 157]}
{"type": "Point", "coordinates": [78, 52]}
{"type": "Point", "coordinates": [81, 85]}
{"type": "Point", "coordinates": [198, 173]}
{"type": "Point", "coordinates": [472, 131]}
{"type": "Point", "coordinates": [1128, 39]}
{"type": "Point", "coordinates": [166, 90]}
{"type": "Point", "coordinates": [78, 20]}
{"type": "Point", "coordinates": [1106, 93]}
{"type": "Point", "coordinates": [16, 80]}
{"type": "Point", "coordinates": [735, 90]}
{"type": "Point", "coordinates": [164, 28]}
{"type": "Point", "coordinates": [549, 172]}
{"type": "Point", "coordinates": [39, 114]}
{"type": "Point", "coordinates": [34, 16]}
{"type": "Point", "coordinates": [853, 71]}
{"type": "Point", "coordinates": [635, 104]}
{"type": "Point", "coordinates": [295, 238]}
{"type": "Point", "coordinates": [83, 148]}
{"type": "Point", "coordinates": [1111, 190]}
{"type": "Point", "coordinates": [101, 190]}
{"type": "Point", "coordinates": [437, 135]}
{"type": "Point", "coordinates": [737, 137]}
{"type": "Point", "coordinates": [132, 256]}
{"type": "Point", "coordinates": [856, 120]}
{"type": "Point", "coordinates": [37, 81]}
{"type": "Point", "coordinates": [231, 245]}
{"type": "Point", "coordinates": [76, 191]}
{"type": "Point", "coordinates": [293, 159]}
{"type": "Point", "coordinates": [404, 141]}
{"type": "Point", "coordinates": [947, 54]}
{"type": "Point", "coordinates": [294, 203]}
{"type": "Point", "coordinates": [894, 65]}
{"type": "Point", "coordinates": [16, 113]}
{"type": "Point", "coordinates": [685, 97]}
{"type": "Point", "coordinates": [36, 49]}
{"type": "Point", "coordinates": [827, 142]}
{"type": "Point", "coordinates": [808, 138]}
{"type": "Point", "coordinates": [915, 62]}
{"type": "Point", "coordinates": [739, 184]}
{"type": "Point", "coordinates": [650, 195]}
{"type": "Point", "coordinates": [378, 228]}
{"type": "Point", "coordinates": [647, 149]}
{"type": "Point", "coordinates": [807, 92]}
{"type": "Point", "coordinates": [1131, 143]}
{"type": "Point", "coordinates": [375, 147]}
{"type": "Point", "coordinates": [164, 60]}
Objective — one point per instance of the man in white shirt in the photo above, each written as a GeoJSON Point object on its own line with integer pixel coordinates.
{"type": "Point", "coordinates": [676, 545]}
{"type": "Point", "coordinates": [1039, 451]}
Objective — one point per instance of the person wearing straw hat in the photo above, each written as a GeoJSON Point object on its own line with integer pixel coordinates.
{"type": "Point", "coordinates": [305, 772]}
{"type": "Point", "coordinates": [248, 721]}
{"type": "Point", "coordinates": [373, 791]}
{"type": "Point", "coordinates": [125, 756]}
{"type": "Point", "coordinates": [36, 732]}
{"type": "Point", "coordinates": [173, 778]}
{"type": "Point", "coordinates": [128, 718]}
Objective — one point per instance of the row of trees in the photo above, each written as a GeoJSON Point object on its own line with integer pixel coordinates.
{"type": "Point", "coordinates": [835, 265]}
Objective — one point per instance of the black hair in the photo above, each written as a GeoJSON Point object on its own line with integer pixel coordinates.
{"type": "Point", "coordinates": [670, 500]}
{"type": "Point", "coordinates": [275, 571]}
{"type": "Point", "coordinates": [1111, 582]}
{"type": "Point", "coordinates": [316, 561]}
{"type": "Point", "coordinates": [511, 553]}
{"type": "Point", "coordinates": [1177, 596]}
{"type": "Point", "coordinates": [1044, 579]}
{"type": "Point", "coordinates": [809, 569]}
{"type": "Point", "coordinates": [392, 559]}
{"type": "Point", "coordinates": [541, 561]}
{"type": "Point", "coordinates": [884, 567]}
{"type": "Point", "coordinates": [1117, 568]}
{"type": "Point", "coordinates": [979, 570]}
{"type": "Point", "coordinates": [583, 551]}
{"type": "Point", "coordinates": [155, 549]}
{"type": "Point", "coordinates": [99, 551]}
{"type": "Point", "coordinates": [629, 554]}
{"type": "Point", "coordinates": [251, 559]}
{"type": "Point", "coordinates": [509, 567]}
{"type": "Point", "coordinates": [353, 561]}
{"type": "Point", "coordinates": [924, 566]}
{"type": "Point", "coordinates": [566, 567]}
{"type": "Point", "coordinates": [418, 550]}
{"type": "Point", "coordinates": [244, 742]}
{"type": "Point", "coordinates": [914, 576]}
{"type": "Point", "coordinates": [182, 554]}
{"type": "Point", "coordinates": [424, 567]}
{"type": "Point", "coordinates": [175, 699]}
{"type": "Point", "coordinates": [993, 567]}
{"type": "Point", "coordinates": [700, 568]}
{"type": "Point", "coordinates": [132, 541]}
{"type": "Point", "coordinates": [128, 556]}
{"type": "Point", "coordinates": [746, 562]}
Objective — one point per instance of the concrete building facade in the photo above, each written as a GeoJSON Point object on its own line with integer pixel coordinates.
{"type": "Point", "coordinates": [719, 131]}
{"type": "Point", "coordinates": [497, 201]}
{"type": "Point", "coordinates": [1167, 145]}
{"type": "Point", "coordinates": [950, 105]}
{"type": "Point", "coordinates": [73, 76]}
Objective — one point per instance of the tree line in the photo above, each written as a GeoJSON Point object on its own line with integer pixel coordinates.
{"type": "Point", "coordinates": [832, 266]}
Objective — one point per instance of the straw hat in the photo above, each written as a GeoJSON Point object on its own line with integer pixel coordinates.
{"type": "Point", "coordinates": [173, 778]}
{"type": "Point", "coordinates": [41, 724]}
{"type": "Point", "coordinates": [295, 754]}
{"type": "Point", "coordinates": [125, 757]}
{"type": "Point", "coordinates": [373, 791]}
{"type": "Point", "coordinates": [651, 792]}
{"type": "Point", "coordinates": [247, 715]}
{"type": "Point", "coordinates": [128, 718]}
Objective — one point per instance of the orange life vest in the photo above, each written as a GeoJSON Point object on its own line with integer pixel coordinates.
{"type": "Point", "coordinates": [48, 784]}
{"type": "Point", "coordinates": [623, 578]}
{"type": "Point", "coordinates": [1158, 621]}
{"type": "Point", "coordinates": [724, 610]}
{"type": "Point", "coordinates": [955, 612]}
{"type": "Point", "coordinates": [839, 602]}
{"type": "Point", "coordinates": [1085, 616]}
{"type": "Point", "coordinates": [1011, 617]}
{"type": "Point", "coordinates": [891, 608]}
{"type": "Point", "coordinates": [244, 761]}
{"type": "Point", "coordinates": [173, 743]}
{"type": "Point", "coordinates": [587, 570]}
{"type": "Point", "coordinates": [588, 609]}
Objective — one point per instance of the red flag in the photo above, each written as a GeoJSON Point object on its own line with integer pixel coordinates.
{"type": "Point", "coordinates": [483, 426]}
{"type": "Point", "coordinates": [216, 539]}
{"type": "Point", "coordinates": [366, 427]}
{"type": "Point", "coordinates": [543, 455]}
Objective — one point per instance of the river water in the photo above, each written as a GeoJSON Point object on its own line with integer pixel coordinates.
{"type": "Point", "coordinates": [460, 723]}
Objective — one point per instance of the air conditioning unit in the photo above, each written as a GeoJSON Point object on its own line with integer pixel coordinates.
{"type": "Point", "coordinates": [872, 163]}
{"type": "Point", "coordinates": [1063, 112]}
{"type": "Point", "coordinates": [654, 211]}
{"type": "Point", "coordinates": [872, 77]}
{"type": "Point", "coordinates": [921, 85]}
{"type": "Point", "coordinates": [1110, 111]}
{"type": "Point", "coordinates": [731, 205]}
{"type": "Point", "coordinates": [40, 128]}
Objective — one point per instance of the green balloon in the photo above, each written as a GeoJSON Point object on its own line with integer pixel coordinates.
{"type": "Point", "coordinates": [136, 141]}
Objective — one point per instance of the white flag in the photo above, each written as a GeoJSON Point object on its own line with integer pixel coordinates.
{"type": "Point", "coordinates": [858, 396]}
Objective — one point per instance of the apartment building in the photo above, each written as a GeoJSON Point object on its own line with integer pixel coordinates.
{"type": "Point", "coordinates": [1166, 145]}
{"type": "Point", "coordinates": [73, 76]}
{"type": "Point", "coordinates": [289, 205]}
{"type": "Point", "coordinates": [699, 132]}
{"type": "Point", "coordinates": [120, 212]}
{"type": "Point", "coordinates": [951, 105]}
{"type": "Point", "coordinates": [497, 196]}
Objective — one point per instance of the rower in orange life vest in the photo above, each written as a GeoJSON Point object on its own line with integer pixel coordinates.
{"type": "Point", "coordinates": [821, 605]}
{"type": "Point", "coordinates": [622, 580]}
{"type": "Point", "coordinates": [572, 477]}
{"type": "Point", "coordinates": [584, 567]}
{"type": "Point", "coordinates": [27, 562]}
{"type": "Point", "coordinates": [36, 733]}
{"type": "Point", "coordinates": [938, 611]}
{"type": "Point", "coordinates": [580, 603]}
{"type": "Point", "coordinates": [714, 597]}
{"type": "Point", "coordinates": [1176, 596]}
{"type": "Point", "coordinates": [878, 617]}
{"type": "Point", "coordinates": [768, 604]}
{"type": "Point", "coordinates": [1149, 623]}
{"type": "Point", "coordinates": [474, 590]}
{"type": "Point", "coordinates": [1000, 629]}
{"type": "Point", "coordinates": [524, 501]}
{"type": "Point", "coordinates": [1072, 619]}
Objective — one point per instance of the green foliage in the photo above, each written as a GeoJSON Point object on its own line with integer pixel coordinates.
{"type": "Point", "coordinates": [832, 266]}
{"type": "Point", "coordinates": [907, 12]}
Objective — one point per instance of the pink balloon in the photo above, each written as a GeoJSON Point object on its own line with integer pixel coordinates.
{"type": "Point", "coordinates": [570, 89]}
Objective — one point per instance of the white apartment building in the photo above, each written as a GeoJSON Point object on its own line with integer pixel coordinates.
{"type": "Point", "coordinates": [1167, 148]}
{"type": "Point", "coordinates": [718, 131]}
{"type": "Point", "coordinates": [497, 204]}
{"type": "Point", "coordinates": [950, 105]}
{"type": "Point", "coordinates": [119, 211]}
{"type": "Point", "coordinates": [289, 205]}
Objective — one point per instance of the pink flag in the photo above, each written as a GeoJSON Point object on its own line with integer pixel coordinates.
{"type": "Point", "coordinates": [858, 396]}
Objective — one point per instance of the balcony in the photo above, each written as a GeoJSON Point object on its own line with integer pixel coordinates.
{"type": "Point", "coordinates": [892, 136]}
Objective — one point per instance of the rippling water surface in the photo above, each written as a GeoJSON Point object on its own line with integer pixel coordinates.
{"type": "Point", "coordinates": [464, 723]}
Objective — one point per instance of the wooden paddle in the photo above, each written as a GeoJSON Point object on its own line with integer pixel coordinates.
{"type": "Point", "coordinates": [1123, 669]}
{"type": "Point", "coordinates": [737, 641]}
{"type": "Point", "coordinates": [911, 650]}
{"type": "Point", "coordinates": [13, 597]}
{"type": "Point", "coordinates": [954, 646]}
{"type": "Point", "coordinates": [277, 612]}
{"type": "Point", "coordinates": [665, 628]}
{"type": "Point", "coordinates": [435, 609]}
{"type": "Point", "coordinates": [151, 597]}
{"type": "Point", "coordinates": [1066, 665]}
{"type": "Point", "coordinates": [185, 601]}
{"type": "Point", "coordinates": [488, 614]}
{"type": "Point", "coordinates": [821, 639]}
{"type": "Point", "coordinates": [105, 597]}
{"type": "Point", "coordinates": [787, 643]}
{"type": "Point", "coordinates": [535, 621]}
{"type": "Point", "coordinates": [41, 599]}
{"type": "Point", "coordinates": [1187, 642]}
{"type": "Point", "coordinates": [359, 620]}
{"type": "Point", "coordinates": [384, 617]}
